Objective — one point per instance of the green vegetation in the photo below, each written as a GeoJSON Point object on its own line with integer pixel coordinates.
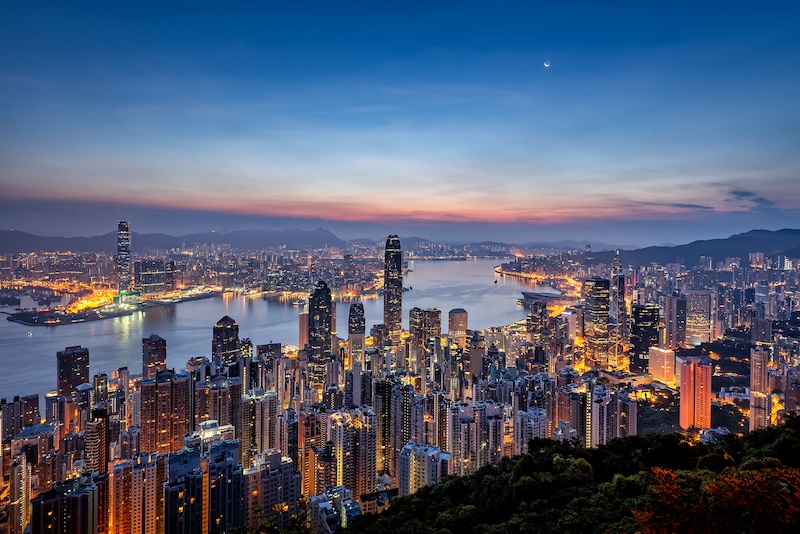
{"type": "Point", "coordinates": [652, 484]}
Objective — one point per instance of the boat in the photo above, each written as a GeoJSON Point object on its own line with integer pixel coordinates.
{"type": "Point", "coordinates": [298, 303]}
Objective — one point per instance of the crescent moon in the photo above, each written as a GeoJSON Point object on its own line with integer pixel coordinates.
{"type": "Point", "coordinates": [546, 63]}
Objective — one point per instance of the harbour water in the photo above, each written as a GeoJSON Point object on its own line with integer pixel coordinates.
{"type": "Point", "coordinates": [28, 362]}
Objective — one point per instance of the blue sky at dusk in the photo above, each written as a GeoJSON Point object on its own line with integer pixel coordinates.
{"type": "Point", "coordinates": [654, 122]}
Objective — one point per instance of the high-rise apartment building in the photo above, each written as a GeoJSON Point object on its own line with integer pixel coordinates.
{"type": "Point", "coordinates": [393, 289]}
{"type": "Point", "coordinates": [760, 394]}
{"type": "Point", "coordinates": [353, 434]}
{"type": "Point", "coordinates": [420, 466]}
{"type": "Point", "coordinates": [154, 355]}
{"type": "Point", "coordinates": [695, 392]}
{"type": "Point", "coordinates": [165, 411]}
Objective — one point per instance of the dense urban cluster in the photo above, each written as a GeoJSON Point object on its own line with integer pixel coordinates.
{"type": "Point", "coordinates": [342, 425]}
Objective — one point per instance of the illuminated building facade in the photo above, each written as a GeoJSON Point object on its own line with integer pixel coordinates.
{"type": "Point", "coordinates": [320, 321]}
{"type": "Point", "coordinates": [356, 330]}
{"type": "Point", "coordinates": [72, 369]}
{"type": "Point", "coordinates": [393, 289]}
{"type": "Point", "coordinates": [695, 386]}
{"type": "Point", "coordinates": [225, 341]}
{"type": "Point", "coordinates": [595, 319]}
{"type": "Point", "coordinates": [457, 324]}
{"type": "Point", "coordinates": [644, 334]}
{"type": "Point", "coordinates": [700, 311]}
{"type": "Point", "coordinates": [674, 322]}
{"type": "Point", "coordinates": [154, 355]}
{"type": "Point", "coordinates": [124, 255]}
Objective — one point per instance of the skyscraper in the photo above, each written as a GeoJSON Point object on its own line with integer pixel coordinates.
{"type": "Point", "coordinates": [644, 334]}
{"type": "Point", "coordinates": [595, 319]}
{"type": "Point", "coordinates": [393, 289]}
{"type": "Point", "coordinates": [695, 409]}
{"type": "Point", "coordinates": [457, 326]}
{"type": "Point", "coordinates": [674, 322]}
{"type": "Point", "coordinates": [760, 395]}
{"type": "Point", "coordinates": [356, 330]}
{"type": "Point", "coordinates": [225, 341]}
{"type": "Point", "coordinates": [124, 255]}
{"type": "Point", "coordinates": [700, 311]}
{"type": "Point", "coordinates": [72, 366]}
{"type": "Point", "coordinates": [154, 355]}
{"type": "Point", "coordinates": [320, 321]}
{"type": "Point", "coordinates": [617, 313]}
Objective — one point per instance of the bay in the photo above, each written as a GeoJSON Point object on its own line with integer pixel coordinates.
{"type": "Point", "coordinates": [28, 363]}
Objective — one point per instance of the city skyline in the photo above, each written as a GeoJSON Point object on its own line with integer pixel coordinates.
{"type": "Point", "coordinates": [650, 126]}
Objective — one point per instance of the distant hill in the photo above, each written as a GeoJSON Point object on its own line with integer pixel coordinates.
{"type": "Point", "coordinates": [786, 241]}
{"type": "Point", "coordinates": [16, 241]}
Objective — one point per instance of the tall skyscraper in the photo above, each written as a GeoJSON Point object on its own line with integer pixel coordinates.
{"type": "Point", "coordinates": [700, 311]}
{"type": "Point", "coordinates": [760, 395]}
{"type": "Point", "coordinates": [124, 255]}
{"type": "Point", "coordinates": [225, 341]}
{"type": "Point", "coordinates": [393, 289]}
{"type": "Point", "coordinates": [457, 325]}
{"type": "Point", "coordinates": [356, 330]}
{"type": "Point", "coordinates": [674, 322]}
{"type": "Point", "coordinates": [154, 355]}
{"type": "Point", "coordinates": [320, 321]}
{"type": "Point", "coordinates": [644, 334]}
{"type": "Point", "coordinates": [695, 409]}
{"type": "Point", "coordinates": [595, 320]}
{"type": "Point", "coordinates": [72, 365]}
{"type": "Point", "coordinates": [617, 313]}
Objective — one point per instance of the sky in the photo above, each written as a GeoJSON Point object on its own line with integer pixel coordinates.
{"type": "Point", "coordinates": [654, 121]}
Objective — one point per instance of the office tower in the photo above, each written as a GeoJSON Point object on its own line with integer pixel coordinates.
{"type": "Point", "coordinates": [695, 393]}
{"type": "Point", "coordinates": [457, 326]}
{"type": "Point", "coordinates": [407, 421]}
{"type": "Point", "coordinates": [760, 394]}
{"type": "Point", "coordinates": [352, 434]}
{"type": "Point", "coordinates": [72, 369]}
{"type": "Point", "coordinates": [416, 321]}
{"type": "Point", "coordinates": [432, 325]}
{"type": "Point", "coordinates": [627, 416]}
{"type": "Point", "coordinates": [393, 289]}
{"type": "Point", "coordinates": [149, 276]}
{"type": "Point", "coordinates": [617, 313]}
{"type": "Point", "coordinates": [529, 424]}
{"type": "Point", "coordinates": [644, 334]}
{"type": "Point", "coordinates": [662, 364]}
{"type": "Point", "coordinates": [356, 329]}
{"type": "Point", "coordinates": [272, 480]}
{"type": "Point", "coordinates": [154, 355]}
{"type": "Point", "coordinates": [421, 465]}
{"type": "Point", "coordinates": [349, 269]}
{"type": "Point", "coordinates": [124, 255]}
{"type": "Point", "coordinates": [165, 411]}
{"type": "Point", "coordinates": [700, 312]}
{"type": "Point", "coordinates": [674, 322]}
{"type": "Point", "coordinates": [595, 320]}
{"type": "Point", "coordinates": [225, 341]}
{"type": "Point", "coordinates": [320, 321]}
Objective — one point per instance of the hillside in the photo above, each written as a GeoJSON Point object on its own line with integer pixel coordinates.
{"type": "Point", "coordinates": [735, 246]}
{"type": "Point", "coordinates": [657, 483]}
